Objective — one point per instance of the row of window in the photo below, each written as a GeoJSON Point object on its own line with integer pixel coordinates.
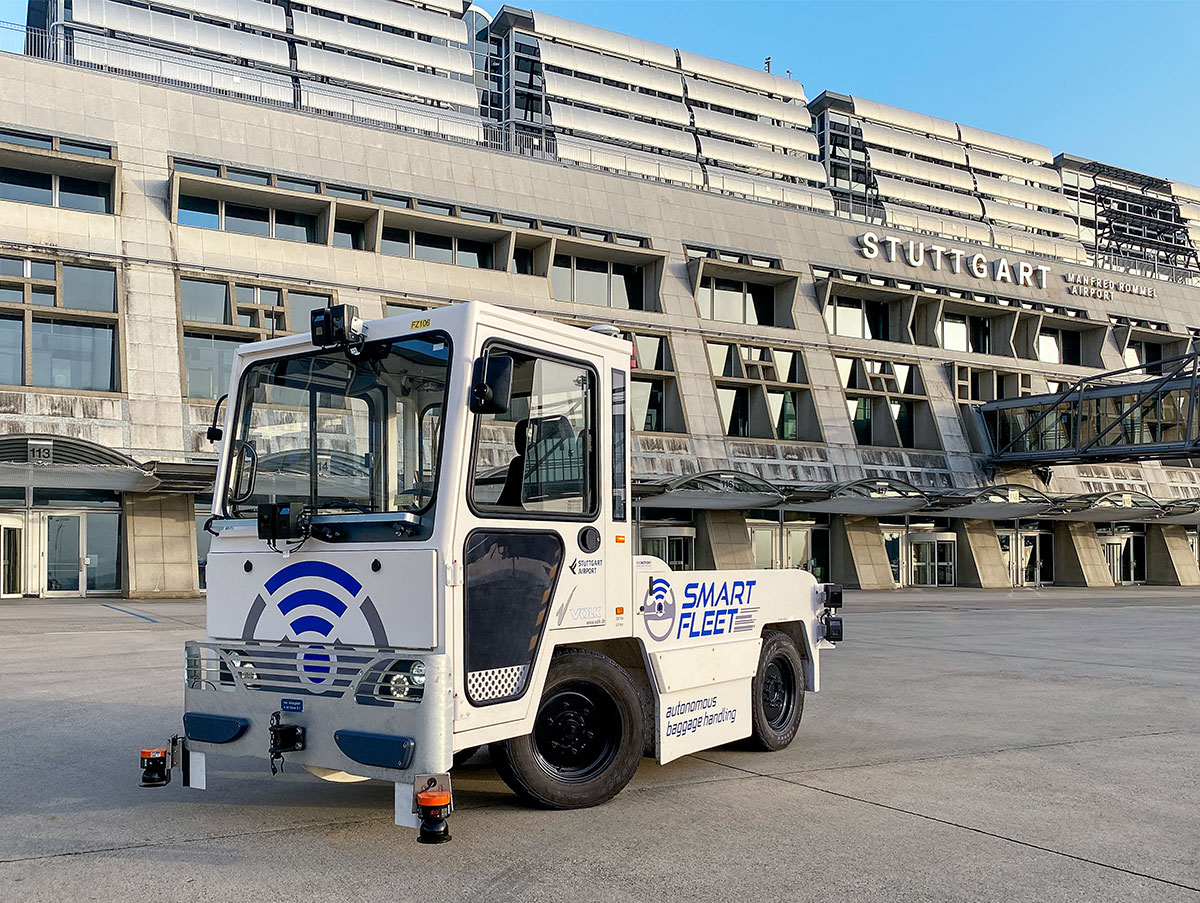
{"type": "Point", "coordinates": [763, 393]}
{"type": "Point", "coordinates": [603, 283]}
{"type": "Point", "coordinates": [403, 202]}
{"type": "Point", "coordinates": [246, 313]}
{"type": "Point", "coordinates": [58, 325]}
{"type": "Point", "coordinates": [954, 331]}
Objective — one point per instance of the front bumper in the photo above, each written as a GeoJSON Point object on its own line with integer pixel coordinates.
{"type": "Point", "coordinates": [233, 689]}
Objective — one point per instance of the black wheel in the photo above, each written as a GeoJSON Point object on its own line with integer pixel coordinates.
{"type": "Point", "coordinates": [777, 693]}
{"type": "Point", "coordinates": [463, 756]}
{"type": "Point", "coordinates": [587, 737]}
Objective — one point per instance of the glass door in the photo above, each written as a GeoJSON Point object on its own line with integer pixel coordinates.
{"type": "Point", "coordinates": [799, 554]}
{"type": "Point", "coordinates": [12, 557]}
{"type": "Point", "coordinates": [1010, 562]}
{"type": "Point", "coordinates": [102, 542]}
{"type": "Point", "coordinates": [81, 553]}
{"type": "Point", "coordinates": [892, 543]}
{"type": "Point", "coordinates": [1114, 552]}
{"type": "Point", "coordinates": [64, 561]}
{"type": "Point", "coordinates": [923, 573]}
{"type": "Point", "coordinates": [945, 562]}
{"type": "Point", "coordinates": [1029, 559]}
{"type": "Point", "coordinates": [764, 540]}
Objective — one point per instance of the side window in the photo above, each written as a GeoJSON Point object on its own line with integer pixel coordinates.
{"type": "Point", "coordinates": [539, 457]}
{"type": "Point", "coordinates": [618, 443]}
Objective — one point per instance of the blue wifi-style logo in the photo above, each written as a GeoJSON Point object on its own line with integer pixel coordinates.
{"type": "Point", "coordinates": [312, 612]}
{"type": "Point", "coordinates": [659, 588]}
{"type": "Point", "coordinates": [658, 609]}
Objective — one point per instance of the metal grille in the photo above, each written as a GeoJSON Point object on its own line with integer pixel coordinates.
{"type": "Point", "coordinates": [292, 668]}
{"type": "Point", "coordinates": [496, 684]}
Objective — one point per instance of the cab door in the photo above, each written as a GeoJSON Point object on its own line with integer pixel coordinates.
{"type": "Point", "coordinates": [533, 561]}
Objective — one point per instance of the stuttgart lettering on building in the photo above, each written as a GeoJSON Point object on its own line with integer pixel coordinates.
{"type": "Point", "coordinates": [919, 253]}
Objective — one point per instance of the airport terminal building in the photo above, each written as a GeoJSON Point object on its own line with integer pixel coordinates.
{"type": "Point", "coordinates": [820, 291]}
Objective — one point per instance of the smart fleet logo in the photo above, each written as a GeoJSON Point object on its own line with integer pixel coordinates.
{"type": "Point", "coordinates": [314, 599]}
{"type": "Point", "coordinates": [708, 609]}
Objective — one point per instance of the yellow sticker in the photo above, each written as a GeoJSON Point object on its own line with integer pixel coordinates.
{"type": "Point", "coordinates": [419, 324]}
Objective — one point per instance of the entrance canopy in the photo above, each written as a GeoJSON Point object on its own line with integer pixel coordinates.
{"type": "Point", "coordinates": [1102, 507]}
{"type": "Point", "coordinates": [1004, 502]}
{"type": "Point", "coordinates": [717, 490]}
{"type": "Point", "coordinates": [61, 462]}
{"type": "Point", "coordinates": [880, 497]}
{"type": "Point", "coordinates": [1183, 511]}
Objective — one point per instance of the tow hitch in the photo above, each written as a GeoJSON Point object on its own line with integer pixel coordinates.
{"type": "Point", "coordinates": [284, 738]}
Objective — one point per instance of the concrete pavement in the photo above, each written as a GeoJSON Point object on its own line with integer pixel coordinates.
{"type": "Point", "coordinates": [964, 747]}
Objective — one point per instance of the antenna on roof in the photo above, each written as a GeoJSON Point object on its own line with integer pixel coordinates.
{"type": "Point", "coordinates": [767, 64]}
{"type": "Point", "coordinates": [789, 72]}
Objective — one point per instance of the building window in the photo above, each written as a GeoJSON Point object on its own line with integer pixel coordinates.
{"type": "Point", "coordinates": [247, 219]}
{"type": "Point", "coordinates": [1059, 346]}
{"type": "Point", "coordinates": [50, 190]}
{"type": "Point", "coordinates": [522, 262]}
{"type": "Point", "coordinates": [434, 248]}
{"type": "Point", "coordinates": [58, 325]}
{"type": "Point", "coordinates": [963, 332]}
{"type": "Point", "coordinates": [219, 315]}
{"type": "Point", "coordinates": [735, 301]}
{"type": "Point", "coordinates": [601, 283]}
{"type": "Point", "coordinates": [886, 403]}
{"type": "Point", "coordinates": [348, 234]}
{"type": "Point", "coordinates": [763, 392]}
{"type": "Point", "coordinates": [1140, 354]}
{"type": "Point", "coordinates": [203, 213]}
{"type": "Point", "coordinates": [859, 319]}
{"type": "Point", "coordinates": [654, 401]}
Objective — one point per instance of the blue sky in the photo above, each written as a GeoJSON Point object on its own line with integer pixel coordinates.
{"type": "Point", "coordinates": [1117, 82]}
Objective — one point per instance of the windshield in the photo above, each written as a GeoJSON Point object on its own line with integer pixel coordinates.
{"type": "Point", "coordinates": [341, 432]}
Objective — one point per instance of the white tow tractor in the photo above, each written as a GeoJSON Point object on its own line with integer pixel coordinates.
{"type": "Point", "coordinates": [423, 544]}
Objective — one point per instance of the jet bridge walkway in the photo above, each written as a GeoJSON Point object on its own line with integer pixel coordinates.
{"type": "Point", "coordinates": [1111, 417]}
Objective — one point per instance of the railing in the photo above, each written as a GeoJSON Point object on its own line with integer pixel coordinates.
{"type": "Point", "coordinates": [271, 87]}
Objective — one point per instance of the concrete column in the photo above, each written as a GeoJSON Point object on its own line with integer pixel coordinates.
{"type": "Point", "coordinates": [857, 555]}
{"type": "Point", "coordinates": [723, 541]}
{"type": "Point", "coordinates": [160, 543]}
{"type": "Point", "coordinates": [980, 561]}
{"type": "Point", "coordinates": [1078, 557]}
{"type": "Point", "coordinates": [1169, 557]}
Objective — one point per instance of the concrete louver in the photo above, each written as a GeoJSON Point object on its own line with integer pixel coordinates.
{"type": "Point", "coordinates": [728, 119]}
{"type": "Point", "coordinates": [217, 40]}
{"type": "Point", "coordinates": [922, 161]}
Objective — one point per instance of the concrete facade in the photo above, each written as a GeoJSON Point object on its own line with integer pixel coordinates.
{"type": "Point", "coordinates": [786, 398]}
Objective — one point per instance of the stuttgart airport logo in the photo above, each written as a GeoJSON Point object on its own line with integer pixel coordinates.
{"type": "Point", "coordinates": [314, 598]}
{"type": "Point", "coordinates": [658, 609]}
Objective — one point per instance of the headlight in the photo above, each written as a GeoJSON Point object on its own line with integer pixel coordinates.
{"type": "Point", "coordinates": [402, 680]}
{"type": "Point", "coordinates": [417, 674]}
{"type": "Point", "coordinates": [399, 685]}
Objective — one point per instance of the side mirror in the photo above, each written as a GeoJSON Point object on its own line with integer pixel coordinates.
{"type": "Point", "coordinates": [215, 433]}
{"type": "Point", "coordinates": [491, 385]}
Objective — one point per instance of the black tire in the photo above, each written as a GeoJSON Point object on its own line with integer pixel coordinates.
{"type": "Point", "coordinates": [777, 693]}
{"type": "Point", "coordinates": [587, 737]}
{"type": "Point", "coordinates": [463, 756]}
